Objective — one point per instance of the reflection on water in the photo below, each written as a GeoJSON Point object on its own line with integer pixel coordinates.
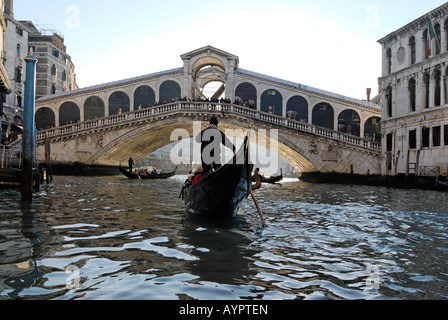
{"type": "Point", "coordinates": [111, 238]}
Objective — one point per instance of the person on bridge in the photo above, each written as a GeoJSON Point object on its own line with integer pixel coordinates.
{"type": "Point", "coordinates": [211, 139]}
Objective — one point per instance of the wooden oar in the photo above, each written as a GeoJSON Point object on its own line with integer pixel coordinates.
{"type": "Point", "coordinates": [256, 186]}
{"type": "Point", "coordinates": [259, 210]}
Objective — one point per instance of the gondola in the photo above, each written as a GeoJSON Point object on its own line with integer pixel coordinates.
{"type": "Point", "coordinates": [272, 179]}
{"type": "Point", "coordinates": [219, 194]}
{"type": "Point", "coordinates": [149, 176]}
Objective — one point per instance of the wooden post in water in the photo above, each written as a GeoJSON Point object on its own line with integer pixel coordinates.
{"type": "Point", "coordinates": [28, 128]}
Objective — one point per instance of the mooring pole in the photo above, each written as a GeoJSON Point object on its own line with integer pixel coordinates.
{"type": "Point", "coordinates": [28, 128]}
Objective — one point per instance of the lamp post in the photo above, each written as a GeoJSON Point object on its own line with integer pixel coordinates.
{"type": "Point", "coordinates": [28, 128]}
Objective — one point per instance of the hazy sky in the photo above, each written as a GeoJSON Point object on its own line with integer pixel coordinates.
{"type": "Point", "coordinates": [330, 45]}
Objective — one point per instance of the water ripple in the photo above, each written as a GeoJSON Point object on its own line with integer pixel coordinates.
{"type": "Point", "coordinates": [131, 240]}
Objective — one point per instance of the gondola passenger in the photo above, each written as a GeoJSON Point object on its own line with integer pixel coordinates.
{"type": "Point", "coordinates": [198, 175]}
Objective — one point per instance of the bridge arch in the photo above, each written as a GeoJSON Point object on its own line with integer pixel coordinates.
{"type": "Point", "coordinates": [297, 108]}
{"type": "Point", "coordinates": [272, 102]}
{"type": "Point", "coordinates": [202, 62]}
{"type": "Point", "coordinates": [119, 102]}
{"type": "Point", "coordinates": [69, 112]}
{"type": "Point", "coordinates": [247, 92]}
{"type": "Point", "coordinates": [349, 122]}
{"type": "Point", "coordinates": [45, 118]}
{"type": "Point", "coordinates": [146, 139]}
{"type": "Point", "coordinates": [372, 129]}
{"type": "Point", "coordinates": [144, 96]}
{"type": "Point", "coordinates": [323, 115]}
{"type": "Point", "coordinates": [94, 108]}
{"type": "Point", "coordinates": [169, 90]}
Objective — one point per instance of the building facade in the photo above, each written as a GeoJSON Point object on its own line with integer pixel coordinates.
{"type": "Point", "coordinates": [54, 71]}
{"type": "Point", "coordinates": [5, 86]}
{"type": "Point", "coordinates": [14, 51]}
{"type": "Point", "coordinates": [414, 96]}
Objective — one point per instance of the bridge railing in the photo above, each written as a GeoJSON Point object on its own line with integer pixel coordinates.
{"type": "Point", "coordinates": [208, 106]}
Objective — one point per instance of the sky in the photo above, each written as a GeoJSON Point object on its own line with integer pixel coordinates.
{"type": "Point", "coordinates": [327, 44]}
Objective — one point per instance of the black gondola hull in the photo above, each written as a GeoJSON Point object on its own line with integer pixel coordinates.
{"type": "Point", "coordinates": [220, 194]}
{"type": "Point", "coordinates": [135, 176]}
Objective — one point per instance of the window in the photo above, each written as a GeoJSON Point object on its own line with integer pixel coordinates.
{"type": "Point", "coordinates": [389, 61]}
{"type": "Point", "coordinates": [19, 31]}
{"type": "Point", "coordinates": [389, 101]}
{"type": "Point", "coordinates": [436, 136]}
{"type": "Point", "coordinates": [425, 137]}
{"type": "Point", "coordinates": [18, 50]}
{"type": "Point", "coordinates": [18, 74]}
{"type": "Point", "coordinates": [413, 139]}
{"type": "Point", "coordinates": [412, 94]}
{"type": "Point", "coordinates": [426, 89]}
{"type": "Point", "coordinates": [53, 70]}
{"type": "Point", "coordinates": [412, 47]}
{"type": "Point", "coordinates": [445, 135]}
{"type": "Point", "coordinates": [437, 88]}
{"type": "Point", "coordinates": [438, 36]}
{"type": "Point", "coordinates": [389, 142]}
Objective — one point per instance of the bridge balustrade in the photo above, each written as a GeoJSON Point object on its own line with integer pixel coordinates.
{"type": "Point", "coordinates": [209, 106]}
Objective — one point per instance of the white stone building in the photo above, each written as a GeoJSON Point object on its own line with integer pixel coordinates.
{"type": "Point", "coordinates": [415, 97]}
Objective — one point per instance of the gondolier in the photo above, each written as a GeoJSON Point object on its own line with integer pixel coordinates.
{"type": "Point", "coordinates": [211, 140]}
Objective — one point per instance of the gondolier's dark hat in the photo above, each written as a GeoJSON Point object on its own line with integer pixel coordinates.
{"type": "Point", "coordinates": [214, 121]}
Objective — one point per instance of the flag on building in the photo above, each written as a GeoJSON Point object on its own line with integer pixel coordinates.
{"type": "Point", "coordinates": [431, 35]}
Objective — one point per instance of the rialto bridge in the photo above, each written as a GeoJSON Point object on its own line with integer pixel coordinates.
{"type": "Point", "coordinates": [105, 124]}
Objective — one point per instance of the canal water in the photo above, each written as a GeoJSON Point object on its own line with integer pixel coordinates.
{"type": "Point", "coordinates": [112, 238]}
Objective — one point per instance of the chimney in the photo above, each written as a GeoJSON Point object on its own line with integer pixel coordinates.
{"type": "Point", "coordinates": [369, 91]}
{"type": "Point", "coordinates": [9, 8]}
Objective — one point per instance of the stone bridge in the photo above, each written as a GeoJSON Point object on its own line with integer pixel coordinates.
{"type": "Point", "coordinates": [113, 139]}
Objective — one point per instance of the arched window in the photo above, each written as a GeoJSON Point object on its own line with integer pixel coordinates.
{"type": "Point", "coordinates": [45, 119]}
{"type": "Point", "coordinates": [412, 94]}
{"type": "Point", "coordinates": [18, 50]}
{"type": "Point", "coordinates": [94, 108]}
{"type": "Point", "coordinates": [64, 75]}
{"type": "Point", "coordinates": [69, 113]}
{"type": "Point", "coordinates": [53, 70]}
{"type": "Point", "coordinates": [349, 122]}
{"type": "Point", "coordinates": [246, 94]}
{"type": "Point", "coordinates": [169, 92]}
{"type": "Point", "coordinates": [272, 102]}
{"type": "Point", "coordinates": [437, 30]}
{"type": "Point", "coordinates": [119, 102]}
{"type": "Point", "coordinates": [413, 52]}
{"type": "Point", "coordinates": [323, 116]}
{"type": "Point", "coordinates": [389, 61]}
{"type": "Point", "coordinates": [144, 96]}
{"type": "Point", "coordinates": [297, 109]}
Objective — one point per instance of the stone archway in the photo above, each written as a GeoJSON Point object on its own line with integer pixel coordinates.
{"type": "Point", "coordinates": [206, 65]}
